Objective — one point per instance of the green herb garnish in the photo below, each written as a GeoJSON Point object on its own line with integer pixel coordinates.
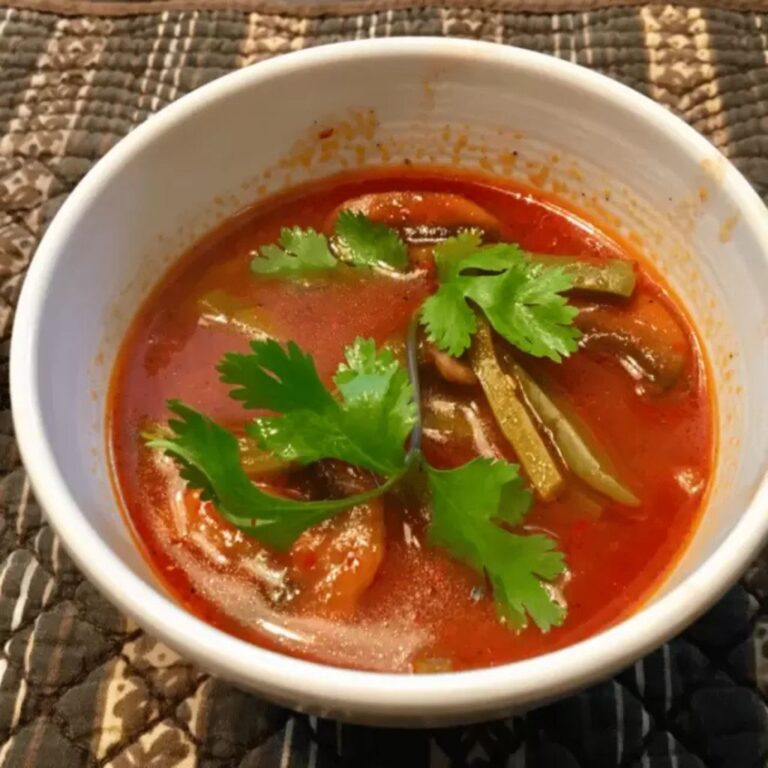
{"type": "Point", "coordinates": [363, 242]}
{"type": "Point", "coordinates": [370, 418]}
{"type": "Point", "coordinates": [522, 299]}
{"type": "Point", "coordinates": [209, 457]}
{"type": "Point", "coordinates": [365, 424]}
{"type": "Point", "coordinates": [470, 506]}
{"type": "Point", "coordinates": [357, 241]}
{"type": "Point", "coordinates": [300, 251]}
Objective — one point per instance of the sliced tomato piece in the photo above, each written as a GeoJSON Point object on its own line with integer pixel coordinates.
{"type": "Point", "coordinates": [334, 563]}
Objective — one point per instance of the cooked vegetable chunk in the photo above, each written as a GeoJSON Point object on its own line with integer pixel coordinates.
{"type": "Point", "coordinates": [505, 399]}
{"type": "Point", "coordinates": [581, 459]}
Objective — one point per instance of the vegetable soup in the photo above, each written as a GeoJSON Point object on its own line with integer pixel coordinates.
{"type": "Point", "coordinates": [411, 420]}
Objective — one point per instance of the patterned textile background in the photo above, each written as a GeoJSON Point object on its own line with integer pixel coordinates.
{"type": "Point", "coordinates": [80, 685]}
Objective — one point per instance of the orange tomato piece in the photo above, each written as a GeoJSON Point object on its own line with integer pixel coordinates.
{"type": "Point", "coordinates": [335, 562]}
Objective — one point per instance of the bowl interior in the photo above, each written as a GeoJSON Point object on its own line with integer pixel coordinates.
{"type": "Point", "coordinates": [475, 107]}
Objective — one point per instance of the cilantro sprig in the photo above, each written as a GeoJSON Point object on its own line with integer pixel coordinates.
{"type": "Point", "coordinates": [522, 300]}
{"type": "Point", "coordinates": [366, 422]}
{"type": "Point", "coordinates": [299, 251]}
{"type": "Point", "coordinates": [209, 459]}
{"type": "Point", "coordinates": [357, 241]}
{"type": "Point", "coordinates": [361, 241]}
{"type": "Point", "coordinates": [470, 507]}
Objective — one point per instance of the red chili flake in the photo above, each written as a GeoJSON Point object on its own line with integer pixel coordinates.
{"type": "Point", "coordinates": [326, 133]}
{"type": "Point", "coordinates": [306, 561]}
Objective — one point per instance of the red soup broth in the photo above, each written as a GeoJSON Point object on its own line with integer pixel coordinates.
{"type": "Point", "coordinates": [414, 607]}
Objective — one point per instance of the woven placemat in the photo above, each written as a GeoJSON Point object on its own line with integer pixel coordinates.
{"type": "Point", "coordinates": [80, 685]}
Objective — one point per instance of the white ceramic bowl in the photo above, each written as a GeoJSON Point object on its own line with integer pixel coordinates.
{"type": "Point", "coordinates": [460, 103]}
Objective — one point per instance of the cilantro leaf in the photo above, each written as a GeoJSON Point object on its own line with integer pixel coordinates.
{"type": "Point", "coordinates": [300, 250]}
{"type": "Point", "coordinates": [468, 505]}
{"type": "Point", "coordinates": [376, 390]}
{"type": "Point", "coordinates": [209, 457]}
{"type": "Point", "coordinates": [367, 425]}
{"type": "Point", "coordinates": [521, 299]}
{"type": "Point", "coordinates": [363, 242]}
{"type": "Point", "coordinates": [358, 241]}
{"type": "Point", "coordinates": [450, 253]}
{"type": "Point", "coordinates": [274, 377]}
{"type": "Point", "coordinates": [449, 320]}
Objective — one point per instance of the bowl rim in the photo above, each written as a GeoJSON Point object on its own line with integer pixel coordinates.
{"type": "Point", "coordinates": [319, 686]}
